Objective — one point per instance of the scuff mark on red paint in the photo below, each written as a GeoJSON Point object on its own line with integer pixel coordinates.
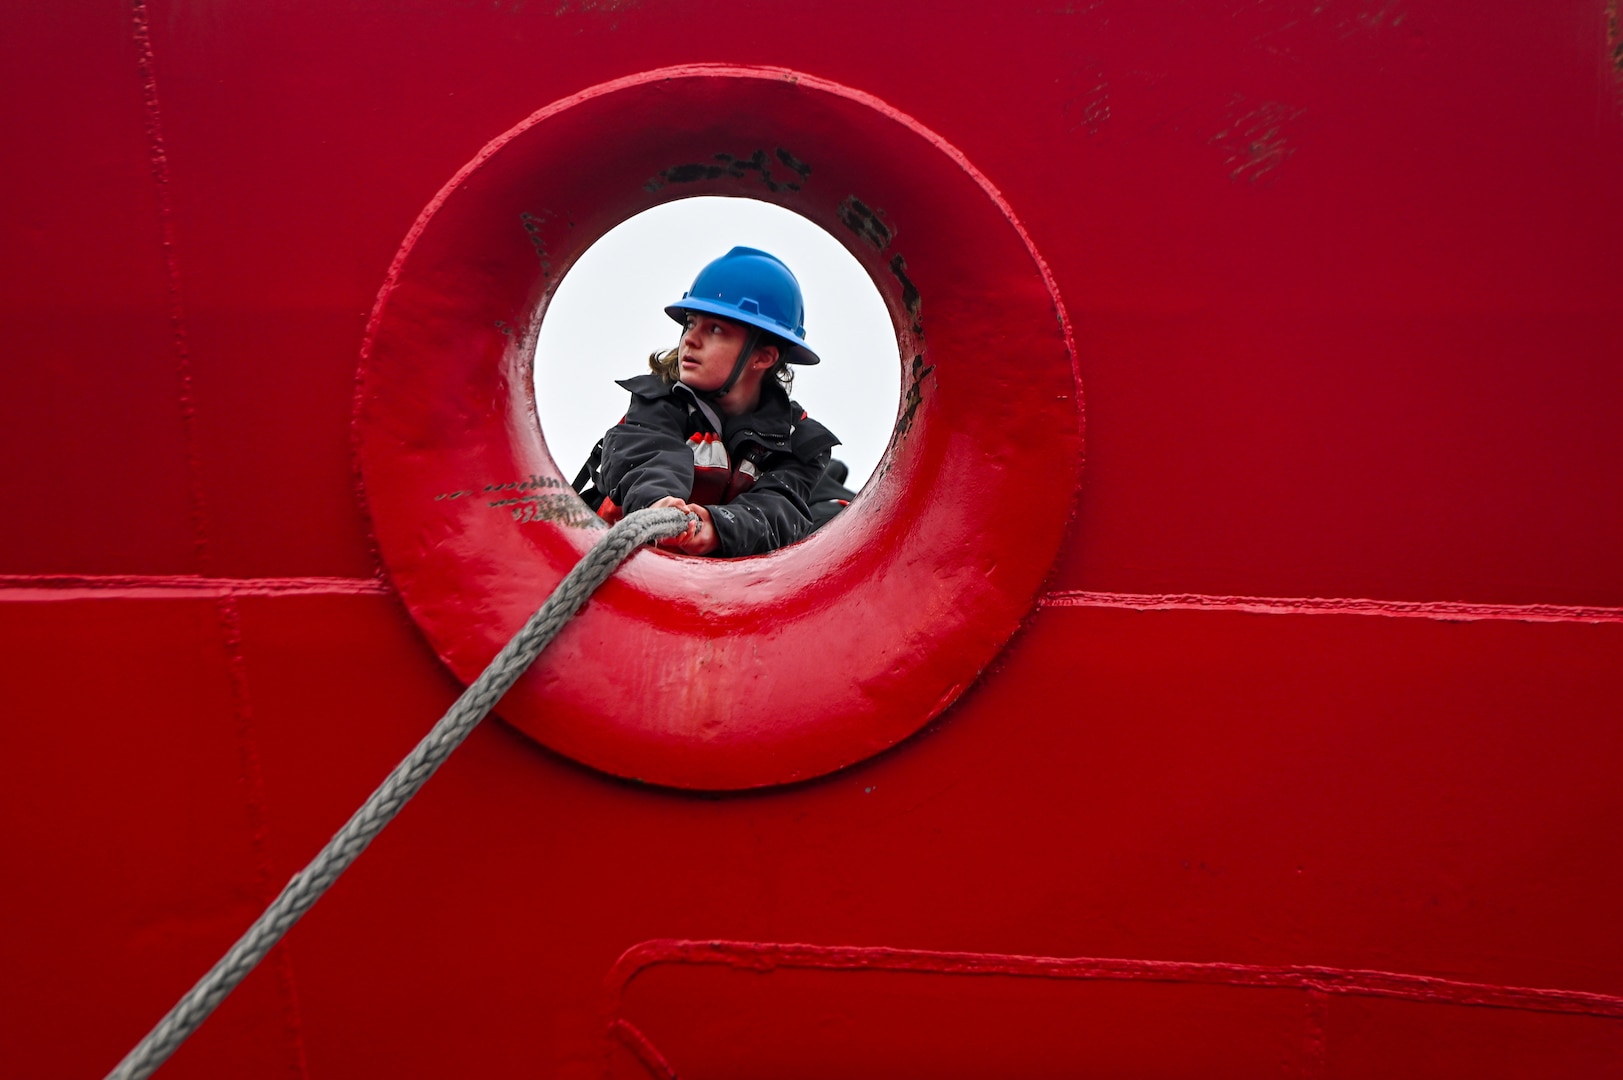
{"type": "Point", "coordinates": [1254, 142]}
{"type": "Point", "coordinates": [604, 7]}
{"type": "Point", "coordinates": [1378, 15]}
{"type": "Point", "coordinates": [1087, 105]}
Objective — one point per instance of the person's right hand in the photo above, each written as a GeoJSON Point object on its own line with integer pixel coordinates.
{"type": "Point", "coordinates": [700, 538]}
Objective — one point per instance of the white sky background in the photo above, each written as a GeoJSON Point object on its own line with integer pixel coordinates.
{"type": "Point", "coordinates": [608, 315]}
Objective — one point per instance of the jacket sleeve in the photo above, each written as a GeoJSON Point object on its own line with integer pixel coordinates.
{"type": "Point", "coordinates": [776, 510]}
{"type": "Point", "coordinates": [645, 457]}
{"type": "Point", "coordinates": [771, 514]}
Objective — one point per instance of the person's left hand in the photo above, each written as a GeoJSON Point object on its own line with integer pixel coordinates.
{"type": "Point", "coordinates": [700, 539]}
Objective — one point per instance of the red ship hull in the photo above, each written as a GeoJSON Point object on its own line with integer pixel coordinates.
{"type": "Point", "coordinates": [1302, 755]}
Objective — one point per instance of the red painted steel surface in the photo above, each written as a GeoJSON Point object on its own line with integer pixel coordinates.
{"type": "Point", "coordinates": [1326, 676]}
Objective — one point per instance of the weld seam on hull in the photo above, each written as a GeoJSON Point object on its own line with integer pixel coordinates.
{"type": "Point", "coordinates": [174, 294]}
{"type": "Point", "coordinates": [765, 956]}
{"type": "Point", "coordinates": [1440, 610]}
{"type": "Point", "coordinates": [34, 587]}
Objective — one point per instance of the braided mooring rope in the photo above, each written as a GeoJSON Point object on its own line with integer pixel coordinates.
{"type": "Point", "coordinates": [345, 847]}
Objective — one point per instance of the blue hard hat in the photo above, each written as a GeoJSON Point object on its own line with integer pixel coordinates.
{"type": "Point", "coordinates": [756, 289]}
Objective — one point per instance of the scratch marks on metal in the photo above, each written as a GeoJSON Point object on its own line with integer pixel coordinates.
{"type": "Point", "coordinates": [1073, 7]}
{"type": "Point", "coordinates": [559, 509]}
{"type": "Point", "coordinates": [612, 9]}
{"type": "Point", "coordinates": [535, 498]}
{"type": "Point", "coordinates": [603, 7]}
{"type": "Point", "coordinates": [1380, 15]}
{"type": "Point", "coordinates": [1087, 104]}
{"type": "Point", "coordinates": [1254, 142]}
{"type": "Point", "coordinates": [531, 483]}
{"type": "Point", "coordinates": [1323, 22]}
{"type": "Point", "coordinates": [759, 164]}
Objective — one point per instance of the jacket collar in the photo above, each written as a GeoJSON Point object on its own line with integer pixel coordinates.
{"type": "Point", "coordinates": [771, 423]}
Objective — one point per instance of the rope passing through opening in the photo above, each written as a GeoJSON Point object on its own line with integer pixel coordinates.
{"type": "Point", "coordinates": [308, 885]}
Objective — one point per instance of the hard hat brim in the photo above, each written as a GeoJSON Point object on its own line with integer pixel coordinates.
{"type": "Point", "coordinates": [795, 351]}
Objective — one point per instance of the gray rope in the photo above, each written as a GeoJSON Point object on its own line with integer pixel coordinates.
{"type": "Point", "coordinates": [346, 846]}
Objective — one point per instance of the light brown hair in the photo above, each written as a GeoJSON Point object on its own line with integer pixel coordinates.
{"type": "Point", "coordinates": [668, 367]}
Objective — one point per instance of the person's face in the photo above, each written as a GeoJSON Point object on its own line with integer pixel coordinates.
{"type": "Point", "coordinates": [708, 350]}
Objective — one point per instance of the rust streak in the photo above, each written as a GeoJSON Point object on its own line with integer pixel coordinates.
{"type": "Point", "coordinates": [915, 394]}
{"type": "Point", "coordinates": [910, 292]}
{"type": "Point", "coordinates": [727, 165]}
{"type": "Point", "coordinates": [865, 222]}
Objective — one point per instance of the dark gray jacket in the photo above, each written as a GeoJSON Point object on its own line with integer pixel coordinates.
{"type": "Point", "coordinates": [758, 492]}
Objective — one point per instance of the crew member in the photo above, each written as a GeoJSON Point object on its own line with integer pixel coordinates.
{"type": "Point", "coordinates": [711, 429]}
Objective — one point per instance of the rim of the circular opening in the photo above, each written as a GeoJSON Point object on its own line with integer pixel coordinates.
{"type": "Point", "coordinates": [837, 748]}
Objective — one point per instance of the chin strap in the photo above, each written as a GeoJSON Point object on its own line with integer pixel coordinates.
{"type": "Point", "coordinates": [744, 355]}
